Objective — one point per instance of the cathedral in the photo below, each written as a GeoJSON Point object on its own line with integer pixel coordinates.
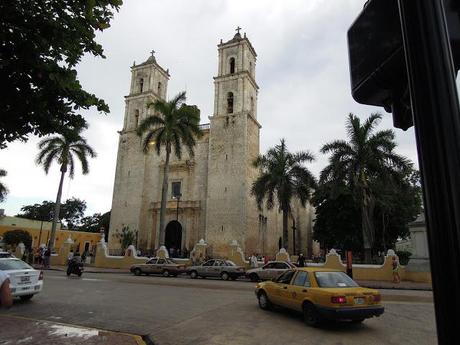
{"type": "Point", "coordinates": [209, 194]}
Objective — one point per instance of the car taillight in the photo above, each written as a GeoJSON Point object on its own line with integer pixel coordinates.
{"type": "Point", "coordinates": [339, 299]}
{"type": "Point", "coordinates": [40, 277]}
{"type": "Point", "coordinates": [377, 298]}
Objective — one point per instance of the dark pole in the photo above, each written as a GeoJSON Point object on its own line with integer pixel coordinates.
{"type": "Point", "coordinates": [177, 207]}
{"type": "Point", "coordinates": [293, 235]}
{"type": "Point", "coordinates": [40, 235]}
{"type": "Point", "coordinates": [436, 114]}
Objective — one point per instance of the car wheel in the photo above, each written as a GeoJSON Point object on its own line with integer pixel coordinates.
{"type": "Point", "coordinates": [165, 273]}
{"type": "Point", "coordinates": [224, 276]}
{"type": "Point", "coordinates": [193, 275]}
{"type": "Point", "coordinates": [137, 272]}
{"type": "Point", "coordinates": [254, 277]}
{"type": "Point", "coordinates": [264, 302]}
{"type": "Point", "coordinates": [26, 297]}
{"type": "Point", "coordinates": [310, 315]}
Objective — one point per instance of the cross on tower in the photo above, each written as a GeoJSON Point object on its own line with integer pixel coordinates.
{"type": "Point", "coordinates": [152, 52]}
{"type": "Point", "coordinates": [238, 29]}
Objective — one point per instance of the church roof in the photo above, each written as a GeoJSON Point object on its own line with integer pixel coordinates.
{"type": "Point", "coordinates": [151, 60]}
{"type": "Point", "coordinates": [237, 38]}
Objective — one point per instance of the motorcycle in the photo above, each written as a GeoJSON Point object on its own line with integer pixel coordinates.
{"type": "Point", "coordinates": [74, 268]}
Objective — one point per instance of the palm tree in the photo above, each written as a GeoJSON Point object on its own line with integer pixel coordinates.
{"type": "Point", "coordinates": [63, 149]}
{"type": "Point", "coordinates": [3, 189]}
{"type": "Point", "coordinates": [368, 156]}
{"type": "Point", "coordinates": [173, 126]}
{"type": "Point", "coordinates": [283, 177]}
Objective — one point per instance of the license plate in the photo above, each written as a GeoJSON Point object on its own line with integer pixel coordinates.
{"type": "Point", "coordinates": [25, 288]}
{"type": "Point", "coordinates": [359, 300]}
{"type": "Point", "coordinates": [25, 279]}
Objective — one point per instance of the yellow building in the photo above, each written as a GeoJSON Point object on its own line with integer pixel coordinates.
{"type": "Point", "coordinates": [40, 232]}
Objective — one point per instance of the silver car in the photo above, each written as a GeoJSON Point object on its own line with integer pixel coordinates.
{"type": "Point", "coordinates": [224, 269]}
{"type": "Point", "coordinates": [166, 267]}
{"type": "Point", "coordinates": [272, 269]}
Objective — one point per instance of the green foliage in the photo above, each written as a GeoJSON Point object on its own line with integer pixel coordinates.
{"type": "Point", "coordinates": [338, 218]}
{"type": "Point", "coordinates": [14, 237]}
{"type": "Point", "coordinates": [71, 211]}
{"type": "Point", "coordinates": [174, 124]}
{"type": "Point", "coordinates": [64, 149]}
{"type": "Point", "coordinates": [42, 42]}
{"type": "Point", "coordinates": [95, 222]}
{"type": "Point", "coordinates": [404, 257]}
{"type": "Point", "coordinates": [3, 189]}
{"type": "Point", "coordinates": [361, 164]}
{"type": "Point", "coordinates": [282, 177]}
{"type": "Point", "coordinates": [127, 237]}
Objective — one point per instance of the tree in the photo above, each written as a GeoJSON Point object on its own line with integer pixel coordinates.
{"type": "Point", "coordinates": [72, 211]}
{"type": "Point", "coordinates": [127, 237]}
{"type": "Point", "coordinates": [14, 237]}
{"type": "Point", "coordinates": [64, 149]}
{"type": "Point", "coordinates": [367, 157]}
{"type": "Point", "coordinates": [3, 189]}
{"type": "Point", "coordinates": [42, 42]}
{"type": "Point", "coordinates": [173, 126]}
{"type": "Point", "coordinates": [282, 177]}
{"type": "Point", "coordinates": [95, 222]}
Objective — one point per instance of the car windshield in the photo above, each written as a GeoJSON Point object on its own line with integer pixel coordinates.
{"type": "Point", "coordinates": [6, 265]}
{"type": "Point", "coordinates": [334, 280]}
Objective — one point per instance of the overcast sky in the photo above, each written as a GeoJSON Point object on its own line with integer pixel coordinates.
{"type": "Point", "coordinates": [302, 71]}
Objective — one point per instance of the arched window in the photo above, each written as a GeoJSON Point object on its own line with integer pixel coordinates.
{"type": "Point", "coordinates": [232, 65]}
{"type": "Point", "coordinates": [141, 85]}
{"type": "Point", "coordinates": [159, 88]}
{"type": "Point", "coordinates": [230, 102]}
{"type": "Point", "coordinates": [252, 105]}
{"type": "Point", "coordinates": [136, 118]}
{"type": "Point", "coordinates": [250, 67]}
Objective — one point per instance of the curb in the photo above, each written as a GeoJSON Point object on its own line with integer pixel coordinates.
{"type": "Point", "coordinates": [140, 340]}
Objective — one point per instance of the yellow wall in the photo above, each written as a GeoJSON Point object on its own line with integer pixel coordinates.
{"type": "Point", "coordinates": [33, 228]}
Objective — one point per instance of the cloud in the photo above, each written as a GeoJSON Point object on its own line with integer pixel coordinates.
{"type": "Point", "coordinates": [302, 71]}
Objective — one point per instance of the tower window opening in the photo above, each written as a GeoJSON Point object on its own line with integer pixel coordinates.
{"type": "Point", "coordinates": [141, 85]}
{"type": "Point", "coordinates": [232, 65]}
{"type": "Point", "coordinates": [252, 105]}
{"type": "Point", "coordinates": [250, 67]}
{"type": "Point", "coordinates": [159, 88]}
{"type": "Point", "coordinates": [136, 118]}
{"type": "Point", "coordinates": [230, 102]}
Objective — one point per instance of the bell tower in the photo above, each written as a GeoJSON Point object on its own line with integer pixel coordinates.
{"type": "Point", "coordinates": [233, 146]}
{"type": "Point", "coordinates": [149, 82]}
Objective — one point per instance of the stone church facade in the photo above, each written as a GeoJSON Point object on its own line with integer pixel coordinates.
{"type": "Point", "coordinates": [208, 194]}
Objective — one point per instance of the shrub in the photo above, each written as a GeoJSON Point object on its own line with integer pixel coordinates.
{"type": "Point", "coordinates": [14, 237]}
{"type": "Point", "coordinates": [404, 257]}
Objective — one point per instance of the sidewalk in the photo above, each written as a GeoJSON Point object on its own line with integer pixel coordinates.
{"type": "Point", "coordinates": [25, 331]}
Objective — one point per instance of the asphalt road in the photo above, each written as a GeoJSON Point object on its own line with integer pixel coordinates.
{"type": "Point", "coordinates": [204, 311]}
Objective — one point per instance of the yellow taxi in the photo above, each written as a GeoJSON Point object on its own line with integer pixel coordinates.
{"type": "Point", "coordinates": [321, 294]}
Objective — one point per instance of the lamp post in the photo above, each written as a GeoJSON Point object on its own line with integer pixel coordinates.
{"type": "Point", "coordinates": [293, 235]}
{"type": "Point", "coordinates": [177, 197]}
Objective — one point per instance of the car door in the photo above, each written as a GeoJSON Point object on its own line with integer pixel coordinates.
{"type": "Point", "coordinates": [149, 267]}
{"type": "Point", "coordinates": [206, 269]}
{"type": "Point", "coordinates": [216, 269]}
{"type": "Point", "coordinates": [281, 292]}
{"type": "Point", "coordinates": [264, 272]}
{"type": "Point", "coordinates": [278, 269]}
{"type": "Point", "coordinates": [298, 290]}
{"type": "Point", "coordinates": [158, 268]}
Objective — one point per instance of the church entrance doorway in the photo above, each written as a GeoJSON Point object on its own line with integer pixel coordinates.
{"type": "Point", "coordinates": [173, 238]}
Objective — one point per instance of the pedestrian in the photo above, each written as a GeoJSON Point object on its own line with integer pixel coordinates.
{"type": "Point", "coordinates": [253, 261]}
{"type": "Point", "coordinates": [301, 261]}
{"type": "Point", "coordinates": [6, 300]}
{"type": "Point", "coordinates": [46, 257]}
{"type": "Point", "coordinates": [396, 276]}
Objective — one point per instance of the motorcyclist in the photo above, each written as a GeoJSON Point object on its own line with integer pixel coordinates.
{"type": "Point", "coordinates": [74, 263]}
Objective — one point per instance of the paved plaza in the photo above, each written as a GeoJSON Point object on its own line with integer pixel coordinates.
{"type": "Point", "coordinates": [206, 311]}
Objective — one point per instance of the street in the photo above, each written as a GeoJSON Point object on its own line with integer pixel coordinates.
{"type": "Point", "coordinates": [204, 311]}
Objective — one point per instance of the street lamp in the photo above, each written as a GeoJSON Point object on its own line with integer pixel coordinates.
{"type": "Point", "coordinates": [177, 198]}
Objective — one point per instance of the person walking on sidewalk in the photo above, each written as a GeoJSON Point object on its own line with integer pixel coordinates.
{"type": "Point", "coordinates": [301, 261]}
{"type": "Point", "coordinates": [6, 300]}
{"type": "Point", "coordinates": [46, 258]}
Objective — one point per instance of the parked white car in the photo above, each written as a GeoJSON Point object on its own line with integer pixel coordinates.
{"type": "Point", "coordinates": [25, 281]}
